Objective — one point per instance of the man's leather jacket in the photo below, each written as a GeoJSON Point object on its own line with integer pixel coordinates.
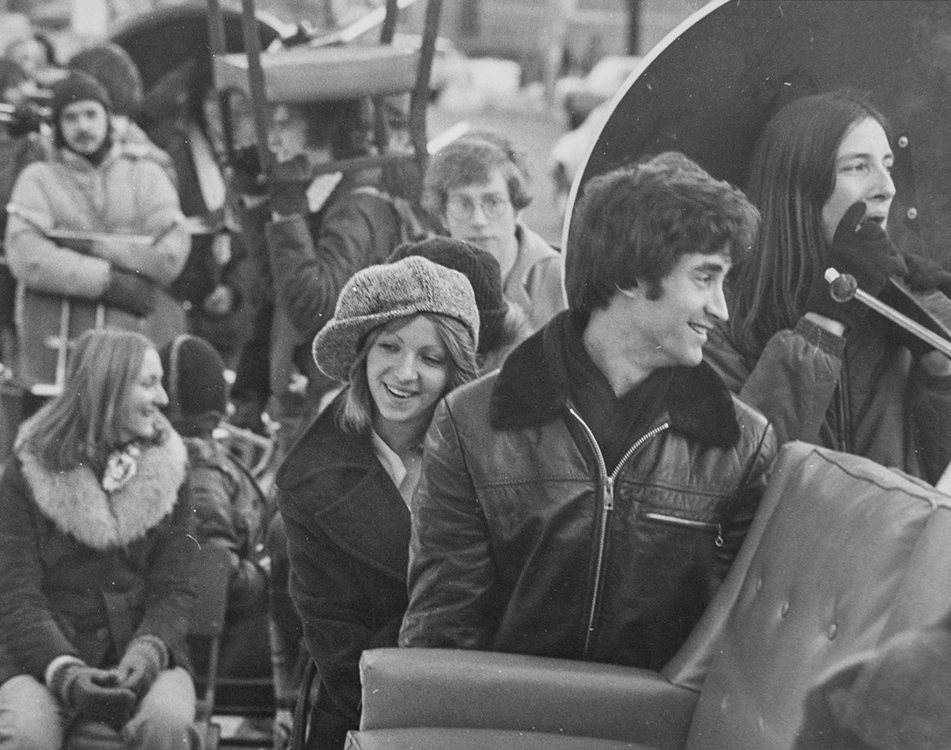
{"type": "Point", "coordinates": [524, 541]}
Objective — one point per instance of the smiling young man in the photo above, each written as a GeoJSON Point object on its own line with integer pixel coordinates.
{"type": "Point", "coordinates": [586, 501]}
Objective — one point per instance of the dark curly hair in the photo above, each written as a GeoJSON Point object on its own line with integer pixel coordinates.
{"type": "Point", "coordinates": [632, 225]}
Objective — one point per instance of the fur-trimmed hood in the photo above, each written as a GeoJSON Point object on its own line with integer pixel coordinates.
{"type": "Point", "coordinates": [75, 502]}
{"type": "Point", "coordinates": [532, 388]}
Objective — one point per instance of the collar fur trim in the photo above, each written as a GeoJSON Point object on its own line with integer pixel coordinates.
{"type": "Point", "coordinates": [532, 389]}
{"type": "Point", "coordinates": [76, 504]}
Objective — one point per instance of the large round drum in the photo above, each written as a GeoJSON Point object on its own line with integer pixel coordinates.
{"type": "Point", "coordinates": [709, 88]}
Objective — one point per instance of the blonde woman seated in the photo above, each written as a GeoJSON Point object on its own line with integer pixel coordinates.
{"type": "Point", "coordinates": [95, 557]}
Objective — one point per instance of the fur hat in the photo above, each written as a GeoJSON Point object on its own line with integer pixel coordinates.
{"type": "Point", "coordinates": [115, 69]}
{"type": "Point", "coordinates": [194, 378]}
{"type": "Point", "coordinates": [77, 87]}
{"type": "Point", "coordinates": [483, 272]}
{"type": "Point", "coordinates": [378, 294]}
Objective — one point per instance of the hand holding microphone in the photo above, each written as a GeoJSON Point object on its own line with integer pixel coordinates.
{"type": "Point", "coordinates": [864, 252]}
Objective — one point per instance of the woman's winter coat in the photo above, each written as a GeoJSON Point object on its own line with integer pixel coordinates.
{"type": "Point", "coordinates": [83, 572]}
{"type": "Point", "coordinates": [348, 531]}
{"type": "Point", "coordinates": [862, 394]}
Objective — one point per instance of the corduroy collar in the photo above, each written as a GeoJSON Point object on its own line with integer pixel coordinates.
{"type": "Point", "coordinates": [532, 389]}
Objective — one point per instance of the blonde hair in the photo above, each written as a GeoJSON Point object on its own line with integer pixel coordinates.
{"type": "Point", "coordinates": [355, 414]}
{"type": "Point", "coordinates": [82, 425]}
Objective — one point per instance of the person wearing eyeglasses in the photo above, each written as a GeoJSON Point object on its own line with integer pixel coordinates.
{"type": "Point", "coordinates": [478, 187]}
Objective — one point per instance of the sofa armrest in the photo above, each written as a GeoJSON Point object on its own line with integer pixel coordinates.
{"type": "Point", "coordinates": [418, 687]}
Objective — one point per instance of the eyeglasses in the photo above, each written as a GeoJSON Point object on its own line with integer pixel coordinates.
{"type": "Point", "coordinates": [461, 207]}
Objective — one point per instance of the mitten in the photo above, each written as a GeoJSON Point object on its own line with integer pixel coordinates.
{"type": "Point", "coordinates": [130, 292]}
{"type": "Point", "coordinates": [246, 176]}
{"type": "Point", "coordinates": [25, 119]}
{"type": "Point", "coordinates": [926, 275]}
{"type": "Point", "coordinates": [93, 693]}
{"type": "Point", "coordinates": [144, 658]}
{"type": "Point", "coordinates": [863, 251]}
{"type": "Point", "coordinates": [287, 185]}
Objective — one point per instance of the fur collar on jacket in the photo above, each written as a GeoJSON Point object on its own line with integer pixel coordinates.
{"type": "Point", "coordinates": [532, 389]}
{"type": "Point", "coordinates": [76, 504]}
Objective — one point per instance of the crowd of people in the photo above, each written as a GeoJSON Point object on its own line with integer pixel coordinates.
{"type": "Point", "coordinates": [483, 441]}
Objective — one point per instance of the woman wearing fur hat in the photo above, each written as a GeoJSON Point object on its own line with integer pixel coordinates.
{"type": "Point", "coordinates": [95, 557]}
{"type": "Point", "coordinates": [401, 337]}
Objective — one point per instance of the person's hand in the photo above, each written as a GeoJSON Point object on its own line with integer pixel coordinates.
{"type": "Point", "coordinates": [863, 251]}
{"type": "Point", "coordinates": [130, 292]}
{"type": "Point", "coordinates": [141, 664]}
{"type": "Point", "coordinates": [287, 184]}
{"type": "Point", "coordinates": [926, 275]}
{"type": "Point", "coordinates": [246, 175]}
{"type": "Point", "coordinates": [96, 694]}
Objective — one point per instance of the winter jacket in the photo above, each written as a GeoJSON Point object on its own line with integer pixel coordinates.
{"type": "Point", "coordinates": [348, 531]}
{"type": "Point", "coordinates": [311, 259]}
{"type": "Point", "coordinates": [229, 510]}
{"type": "Point", "coordinates": [125, 194]}
{"type": "Point", "coordinates": [524, 541]}
{"type": "Point", "coordinates": [890, 410]}
{"type": "Point", "coordinates": [82, 572]}
{"type": "Point", "coordinates": [536, 282]}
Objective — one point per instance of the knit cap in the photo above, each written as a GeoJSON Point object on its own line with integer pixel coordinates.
{"type": "Point", "coordinates": [379, 294]}
{"type": "Point", "coordinates": [483, 272]}
{"type": "Point", "coordinates": [115, 69]}
{"type": "Point", "coordinates": [77, 87]}
{"type": "Point", "coordinates": [194, 379]}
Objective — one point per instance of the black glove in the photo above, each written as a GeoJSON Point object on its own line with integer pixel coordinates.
{"type": "Point", "coordinates": [287, 185]}
{"type": "Point", "coordinates": [25, 119]}
{"type": "Point", "coordinates": [247, 177]}
{"type": "Point", "coordinates": [95, 694]}
{"type": "Point", "coordinates": [130, 292]}
{"type": "Point", "coordinates": [865, 252]}
{"type": "Point", "coordinates": [141, 664]}
{"type": "Point", "coordinates": [926, 275]}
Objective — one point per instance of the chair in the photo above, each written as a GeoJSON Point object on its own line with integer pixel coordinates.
{"type": "Point", "coordinates": [843, 554]}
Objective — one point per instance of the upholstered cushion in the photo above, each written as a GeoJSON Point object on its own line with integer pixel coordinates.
{"type": "Point", "coordinates": [477, 739]}
{"type": "Point", "coordinates": [852, 552]}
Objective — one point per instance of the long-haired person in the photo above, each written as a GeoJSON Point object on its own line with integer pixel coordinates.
{"type": "Point", "coordinates": [402, 336]}
{"type": "Point", "coordinates": [95, 557]}
{"type": "Point", "coordinates": [825, 372]}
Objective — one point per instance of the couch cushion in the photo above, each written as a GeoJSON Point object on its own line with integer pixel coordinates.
{"type": "Point", "coordinates": [426, 738]}
{"type": "Point", "coordinates": [847, 540]}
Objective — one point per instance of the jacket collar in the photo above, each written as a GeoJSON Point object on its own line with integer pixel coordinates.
{"type": "Point", "coordinates": [349, 494]}
{"type": "Point", "coordinates": [76, 504]}
{"type": "Point", "coordinates": [532, 389]}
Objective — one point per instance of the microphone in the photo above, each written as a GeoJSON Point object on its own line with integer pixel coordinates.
{"type": "Point", "coordinates": [843, 287]}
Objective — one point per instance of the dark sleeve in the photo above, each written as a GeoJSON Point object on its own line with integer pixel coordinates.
{"type": "Point", "coordinates": [210, 493]}
{"type": "Point", "coordinates": [345, 606]}
{"type": "Point", "coordinates": [26, 622]}
{"type": "Point", "coordinates": [931, 406]}
{"type": "Point", "coordinates": [358, 230]}
{"type": "Point", "coordinates": [792, 382]}
{"type": "Point", "coordinates": [170, 595]}
{"type": "Point", "coordinates": [452, 577]}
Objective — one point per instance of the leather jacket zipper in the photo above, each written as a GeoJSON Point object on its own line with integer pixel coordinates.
{"type": "Point", "coordinates": [607, 505]}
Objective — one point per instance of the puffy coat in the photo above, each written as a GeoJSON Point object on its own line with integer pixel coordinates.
{"type": "Point", "coordinates": [348, 535]}
{"type": "Point", "coordinates": [126, 194]}
{"type": "Point", "coordinates": [863, 394]}
{"type": "Point", "coordinates": [230, 511]}
{"type": "Point", "coordinates": [82, 572]}
{"type": "Point", "coordinates": [524, 541]}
